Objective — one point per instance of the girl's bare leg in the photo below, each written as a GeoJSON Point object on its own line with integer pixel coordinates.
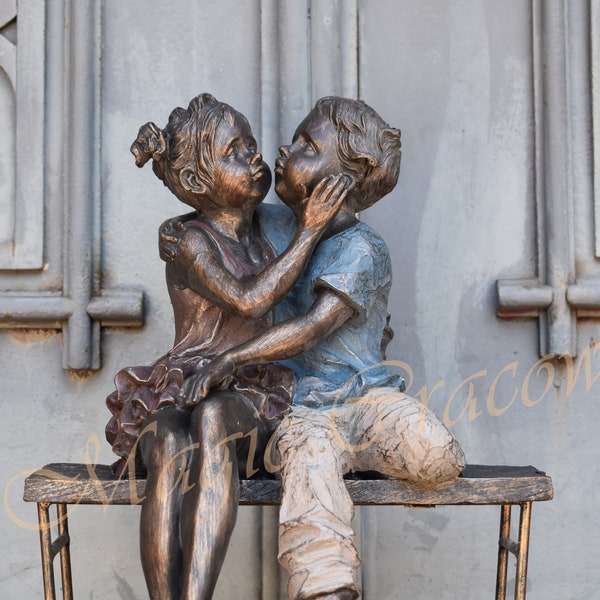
{"type": "Point", "coordinates": [222, 427]}
{"type": "Point", "coordinates": [166, 448]}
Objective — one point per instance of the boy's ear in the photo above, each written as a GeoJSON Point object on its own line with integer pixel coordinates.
{"type": "Point", "coordinates": [190, 182]}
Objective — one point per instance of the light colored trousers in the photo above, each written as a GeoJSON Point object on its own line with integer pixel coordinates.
{"type": "Point", "coordinates": [385, 431]}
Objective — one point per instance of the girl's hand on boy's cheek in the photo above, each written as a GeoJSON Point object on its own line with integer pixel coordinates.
{"type": "Point", "coordinates": [326, 199]}
{"type": "Point", "coordinates": [349, 180]}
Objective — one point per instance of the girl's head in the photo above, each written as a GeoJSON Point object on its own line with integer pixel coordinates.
{"type": "Point", "coordinates": [367, 148]}
{"type": "Point", "coordinates": [204, 151]}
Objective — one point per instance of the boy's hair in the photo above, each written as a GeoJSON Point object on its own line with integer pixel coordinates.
{"type": "Point", "coordinates": [367, 147]}
{"type": "Point", "coordinates": [187, 139]}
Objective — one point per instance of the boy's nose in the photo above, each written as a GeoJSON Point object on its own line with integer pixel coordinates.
{"type": "Point", "coordinates": [284, 151]}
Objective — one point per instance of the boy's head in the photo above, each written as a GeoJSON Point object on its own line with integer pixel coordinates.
{"type": "Point", "coordinates": [340, 136]}
{"type": "Point", "coordinates": [367, 148]}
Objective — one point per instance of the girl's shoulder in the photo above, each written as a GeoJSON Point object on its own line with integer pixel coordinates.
{"type": "Point", "coordinates": [194, 232]}
{"type": "Point", "coordinates": [182, 239]}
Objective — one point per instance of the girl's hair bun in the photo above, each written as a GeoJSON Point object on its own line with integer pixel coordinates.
{"type": "Point", "coordinates": [150, 143]}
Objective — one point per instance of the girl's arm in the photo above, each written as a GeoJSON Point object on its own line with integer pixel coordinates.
{"type": "Point", "coordinates": [204, 271]}
{"type": "Point", "coordinates": [285, 340]}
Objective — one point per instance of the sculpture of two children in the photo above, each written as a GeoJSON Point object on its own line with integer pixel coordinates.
{"type": "Point", "coordinates": [278, 360]}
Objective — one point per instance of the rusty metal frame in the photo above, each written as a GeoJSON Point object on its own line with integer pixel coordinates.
{"type": "Point", "coordinates": [519, 548]}
{"type": "Point", "coordinates": [50, 548]}
{"type": "Point", "coordinates": [61, 545]}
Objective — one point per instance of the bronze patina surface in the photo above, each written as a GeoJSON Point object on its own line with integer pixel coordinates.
{"type": "Point", "coordinates": [278, 361]}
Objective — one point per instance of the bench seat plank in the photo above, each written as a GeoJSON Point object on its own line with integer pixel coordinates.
{"type": "Point", "coordinates": [71, 483]}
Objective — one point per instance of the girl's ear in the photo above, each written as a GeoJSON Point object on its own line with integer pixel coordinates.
{"type": "Point", "coordinates": [190, 182]}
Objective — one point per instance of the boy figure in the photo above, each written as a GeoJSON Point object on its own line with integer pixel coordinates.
{"type": "Point", "coordinates": [350, 412]}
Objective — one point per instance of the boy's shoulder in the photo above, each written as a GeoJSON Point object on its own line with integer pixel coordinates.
{"type": "Point", "coordinates": [277, 223]}
{"type": "Point", "coordinates": [271, 211]}
{"type": "Point", "coordinates": [358, 250]}
{"type": "Point", "coordinates": [360, 236]}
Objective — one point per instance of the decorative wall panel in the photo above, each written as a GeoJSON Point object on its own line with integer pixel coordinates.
{"type": "Point", "coordinates": [22, 161]}
{"type": "Point", "coordinates": [82, 306]}
{"type": "Point", "coordinates": [561, 57]}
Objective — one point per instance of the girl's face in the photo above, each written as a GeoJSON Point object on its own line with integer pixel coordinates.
{"type": "Point", "coordinates": [241, 177]}
{"type": "Point", "coordinates": [311, 157]}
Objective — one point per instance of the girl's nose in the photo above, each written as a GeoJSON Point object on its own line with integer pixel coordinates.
{"type": "Point", "coordinates": [284, 151]}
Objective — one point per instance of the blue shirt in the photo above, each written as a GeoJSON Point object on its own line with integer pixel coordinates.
{"type": "Point", "coordinates": [355, 264]}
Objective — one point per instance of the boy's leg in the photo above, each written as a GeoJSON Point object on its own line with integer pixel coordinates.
{"type": "Point", "coordinates": [400, 437]}
{"type": "Point", "coordinates": [316, 540]}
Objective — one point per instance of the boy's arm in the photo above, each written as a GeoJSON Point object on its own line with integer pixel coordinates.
{"type": "Point", "coordinates": [284, 340]}
{"type": "Point", "coordinates": [205, 274]}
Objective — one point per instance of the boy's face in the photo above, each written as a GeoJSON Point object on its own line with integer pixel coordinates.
{"type": "Point", "coordinates": [241, 177]}
{"type": "Point", "coordinates": [310, 158]}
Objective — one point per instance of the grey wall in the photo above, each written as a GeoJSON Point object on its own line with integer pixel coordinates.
{"type": "Point", "coordinates": [495, 103]}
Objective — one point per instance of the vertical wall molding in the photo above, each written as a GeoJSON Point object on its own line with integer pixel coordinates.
{"type": "Point", "coordinates": [562, 110]}
{"type": "Point", "coordinates": [269, 79]}
{"type": "Point", "coordinates": [24, 66]}
{"type": "Point", "coordinates": [82, 153]}
{"type": "Point", "coordinates": [294, 65]}
{"type": "Point", "coordinates": [334, 48]}
{"type": "Point", "coordinates": [595, 71]}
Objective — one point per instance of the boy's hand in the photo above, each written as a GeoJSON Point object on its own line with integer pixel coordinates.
{"type": "Point", "coordinates": [325, 201]}
{"type": "Point", "coordinates": [168, 238]}
{"type": "Point", "coordinates": [198, 386]}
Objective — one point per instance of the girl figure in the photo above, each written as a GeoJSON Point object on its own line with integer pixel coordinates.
{"type": "Point", "coordinates": [223, 279]}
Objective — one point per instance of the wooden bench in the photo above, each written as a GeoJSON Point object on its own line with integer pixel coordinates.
{"type": "Point", "coordinates": [63, 484]}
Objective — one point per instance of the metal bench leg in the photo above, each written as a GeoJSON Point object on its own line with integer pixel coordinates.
{"type": "Point", "coordinates": [523, 551]}
{"type": "Point", "coordinates": [503, 552]}
{"type": "Point", "coordinates": [51, 548]}
{"type": "Point", "coordinates": [46, 546]}
{"type": "Point", "coordinates": [519, 548]}
{"type": "Point", "coordinates": [65, 553]}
